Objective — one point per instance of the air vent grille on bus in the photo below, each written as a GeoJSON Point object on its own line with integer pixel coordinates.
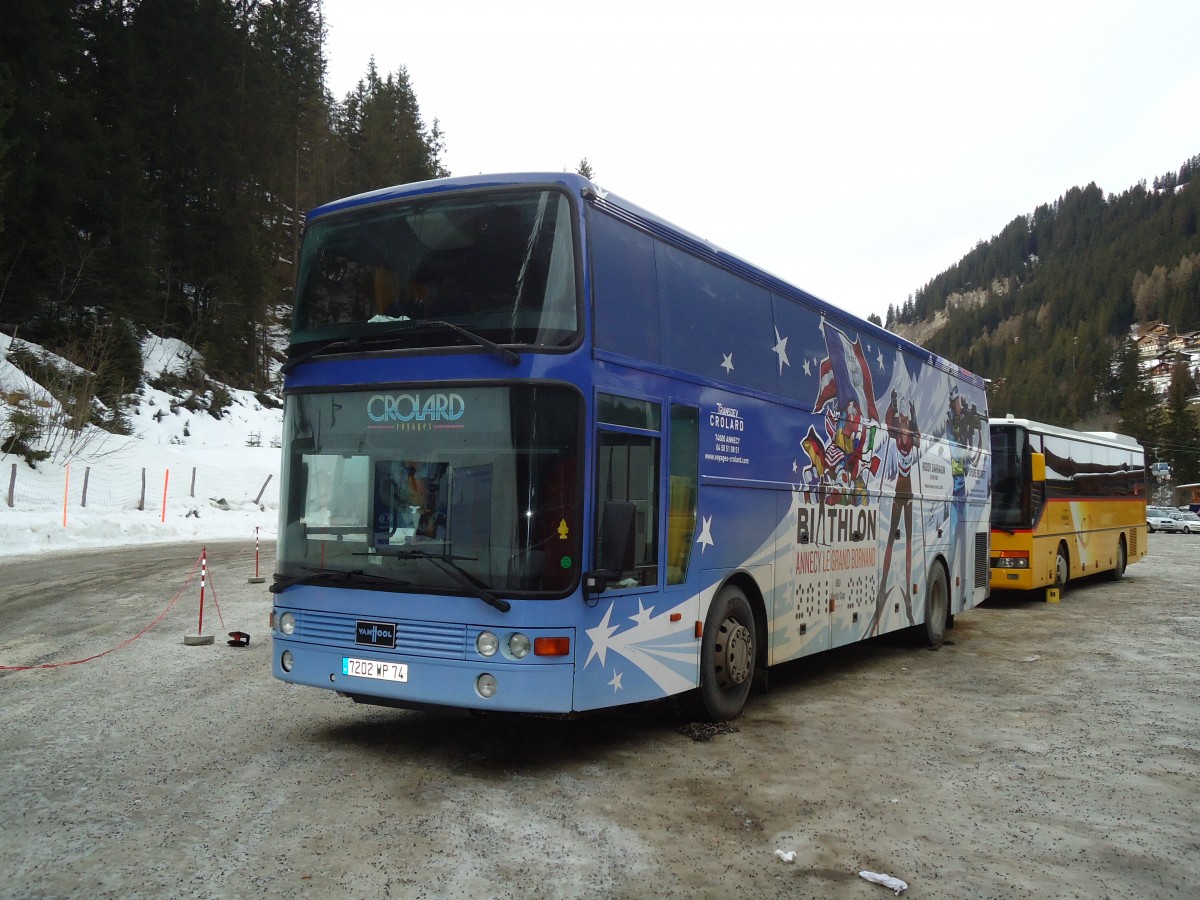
{"type": "Point", "coordinates": [1133, 551]}
{"type": "Point", "coordinates": [982, 571]}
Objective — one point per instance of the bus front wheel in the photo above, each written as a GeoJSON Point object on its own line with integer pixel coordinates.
{"type": "Point", "coordinates": [727, 657]}
{"type": "Point", "coordinates": [1062, 568]}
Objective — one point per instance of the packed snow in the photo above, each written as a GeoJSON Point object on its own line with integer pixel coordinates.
{"type": "Point", "coordinates": [195, 477]}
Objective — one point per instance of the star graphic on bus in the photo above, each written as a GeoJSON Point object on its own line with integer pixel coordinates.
{"type": "Point", "coordinates": [807, 368]}
{"type": "Point", "coordinates": [781, 349]}
{"type": "Point", "coordinates": [642, 616]}
{"type": "Point", "coordinates": [616, 681]}
{"type": "Point", "coordinates": [600, 637]}
{"type": "Point", "coordinates": [705, 539]}
{"type": "Point", "coordinates": [727, 365]}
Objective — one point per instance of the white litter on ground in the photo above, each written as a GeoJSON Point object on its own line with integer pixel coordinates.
{"type": "Point", "coordinates": [887, 880]}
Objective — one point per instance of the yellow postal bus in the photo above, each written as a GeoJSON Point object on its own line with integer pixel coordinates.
{"type": "Point", "coordinates": [1064, 504]}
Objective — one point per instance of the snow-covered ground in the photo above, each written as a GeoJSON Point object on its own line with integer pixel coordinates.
{"type": "Point", "coordinates": [194, 476]}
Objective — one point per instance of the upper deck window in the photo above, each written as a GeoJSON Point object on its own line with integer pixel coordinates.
{"type": "Point", "coordinates": [500, 265]}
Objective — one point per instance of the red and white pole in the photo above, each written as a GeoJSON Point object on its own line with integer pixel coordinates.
{"type": "Point", "coordinates": [257, 579]}
{"type": "Point", "coordinates": [203, 579]}
{"type": "Point", "coordinates": [200, 637]}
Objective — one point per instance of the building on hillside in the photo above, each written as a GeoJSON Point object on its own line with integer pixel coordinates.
{"type": "Point", "coordinates": [1152, 340]}
{"type": "Point", "coordinates": [1160, 349]}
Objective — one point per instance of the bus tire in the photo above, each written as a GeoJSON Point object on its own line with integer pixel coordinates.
{"type": "Point", "coordinates": [937, 606]}
{"type": "Point", "coordinates": [1062, 568]}
{"type": "Point", "coordinates": [727, 658]}
{"type": "Point", "coordinates": [1118, 571]}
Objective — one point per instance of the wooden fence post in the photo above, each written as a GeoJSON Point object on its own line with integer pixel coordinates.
{"type": "Point", "coordinates": [263, 488]}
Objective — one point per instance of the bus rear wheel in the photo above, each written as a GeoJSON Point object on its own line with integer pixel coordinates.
{"type": "Point", "coordinates": [727, 658]}
{"type": "Point", "coordinates": [1118, 571]}
{"type": "Point", "coordinates": [937, 606]}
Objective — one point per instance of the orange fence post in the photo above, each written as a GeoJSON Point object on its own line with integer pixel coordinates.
{"type": "Point", "coordinates": [166, 480]}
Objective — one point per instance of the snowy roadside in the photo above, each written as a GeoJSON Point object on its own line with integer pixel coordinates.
{"type": "Point", "coordinates": [183, 475]}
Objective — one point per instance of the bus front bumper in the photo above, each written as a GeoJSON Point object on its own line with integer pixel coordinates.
{"type": "Point", "coordinates": [493, 685]}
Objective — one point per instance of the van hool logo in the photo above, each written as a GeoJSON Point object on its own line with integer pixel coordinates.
{"type": "Point", "coordinates": [415, 408]}
{"type": "Point", "coordinates": [377, 634]}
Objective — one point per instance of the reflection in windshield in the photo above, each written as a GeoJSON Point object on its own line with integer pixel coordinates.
{"type": "Point", "coordinates": [500, 265]}
{"type": "Point", "coordinates": [1010, 489]}
{"type": "Point", "coordinates": [483, 476]}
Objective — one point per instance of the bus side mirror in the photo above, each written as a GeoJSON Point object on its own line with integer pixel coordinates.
{"type": "Point", "coordinates": [618, 540]}
{"type": "Point", "coordinates": [1037, 467]}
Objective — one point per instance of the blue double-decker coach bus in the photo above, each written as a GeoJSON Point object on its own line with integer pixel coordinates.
{"type": "Point", "coordinates": [546, 452]}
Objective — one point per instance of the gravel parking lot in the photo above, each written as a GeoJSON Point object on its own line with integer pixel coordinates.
{"type": "Point", "coordinates": [1052, 750]}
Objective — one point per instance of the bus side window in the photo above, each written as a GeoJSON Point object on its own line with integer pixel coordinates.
{"type": "Point", "coordinates": [628, 471]}
{"type": "Point", "coordinates": [684, 482]}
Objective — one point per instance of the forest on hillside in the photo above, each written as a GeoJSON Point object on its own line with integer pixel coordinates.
{"type": "Point", "coordinates": [1044, 310]}
{"type": "Point", "coordinates": [156, 159]}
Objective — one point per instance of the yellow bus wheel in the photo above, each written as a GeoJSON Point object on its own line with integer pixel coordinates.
{"type": "Point", "coordinates": [1122, 560]}
{"type": "Point", "coordinates": [1062, 568]}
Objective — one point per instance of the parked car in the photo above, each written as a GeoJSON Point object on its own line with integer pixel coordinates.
{"type": "Point", "coordinates": [1189, 522]}
{"type": "Point", "coordinates": [1159, 519]}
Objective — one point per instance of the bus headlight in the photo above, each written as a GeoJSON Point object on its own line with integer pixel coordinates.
{"type": "Point", "coordinates": [487, 643]}
{"type": "Point", "coordinates": [519, 645]}
{"type": "Point", "coordinates": [1010, 562]}
{"type": "Point", "coordinates": [286, 661]}
{"type": "Point", "coordinates": [287, 623]}
{"type": "Point", "coordinates": [485, 686]}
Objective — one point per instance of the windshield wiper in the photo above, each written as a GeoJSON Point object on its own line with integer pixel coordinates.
{"type": "Point", "coordinates": [316, 576]}
{"type": "Point", "coordinates": [385, 334]}
{"type": "Point", "coordinates": [503, 352]}
{"type": "Point", "coordinates": [327, 347]}
{"type": "Point", "coordinates": [446, 563]}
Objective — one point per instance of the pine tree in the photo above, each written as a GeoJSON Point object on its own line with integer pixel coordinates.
{"type": "Point", "coordinates": [1140, 415]}
{"type": "Point", "coordinates": [384, 138]}
{"type": "Point", "coordinates": [1180, 438]}
{"type": "Point", "coordinates": [585, 169]}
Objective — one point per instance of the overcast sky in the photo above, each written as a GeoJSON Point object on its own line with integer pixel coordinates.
{"type": "Point", "coordinates": [856, 150]}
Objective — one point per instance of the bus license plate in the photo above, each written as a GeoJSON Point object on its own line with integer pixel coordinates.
{"type": "Point", "coordinates": [372, 668]}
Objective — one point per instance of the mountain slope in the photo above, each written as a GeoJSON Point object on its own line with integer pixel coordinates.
{"type": "Point", "coordinates": [1042, 307]}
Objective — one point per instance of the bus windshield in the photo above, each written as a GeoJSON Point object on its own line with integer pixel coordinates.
{"type": "Point", "coordinates": [454, 490]}
{"type": "Point", "coordinates": [1010, 497]}
{"type": "Point", "coordinates": [498, 265]}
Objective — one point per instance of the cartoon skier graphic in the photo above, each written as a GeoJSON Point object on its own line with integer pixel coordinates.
{"type": "Point", "coordinates": [843, 461]}
{"type": "Point", "coordinates": [963, 428]}
{"type": "Point", "coordinates": [901, 463]}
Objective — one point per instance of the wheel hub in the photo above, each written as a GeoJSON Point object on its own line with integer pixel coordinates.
{"type": "Point", "coordinates": [735, 654]}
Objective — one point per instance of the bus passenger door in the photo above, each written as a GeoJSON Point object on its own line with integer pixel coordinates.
{"type": "Point", "coordinates": [633, 644]}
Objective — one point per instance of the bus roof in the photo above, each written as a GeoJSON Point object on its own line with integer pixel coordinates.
{"type": "Point", "coordinates": [631, 212]}
{"type": "Point", "coordinates": [1095, 437]}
